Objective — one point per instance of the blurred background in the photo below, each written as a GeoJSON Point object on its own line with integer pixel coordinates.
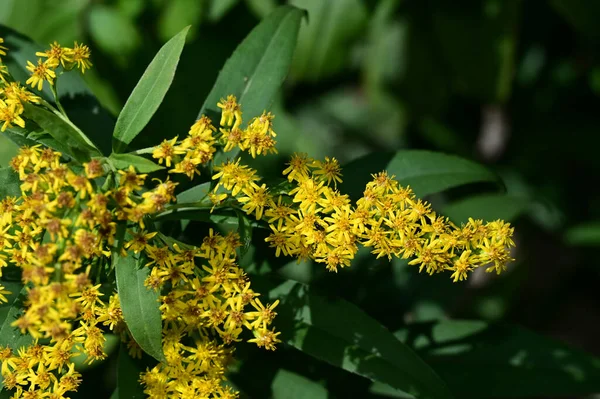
{"type": "Point", "coordinates": [511, 84]}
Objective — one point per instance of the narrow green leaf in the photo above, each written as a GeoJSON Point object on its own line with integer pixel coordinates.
{"type": "Point", "coordinates": [9, 183]}
{"type": "Point", "coordinates": [128, 376]}
{"type": "Point", "coordinates": [487, 207]}
{"type": "Point", "coordinates": [585, 234]}
{"type": "Point", "coordinates": [289, 385]}
{"type": "Point", "coordinates": [259, 65]}
{"type": "Point", "coordinates": [194, 194]}
{"type": "Point", "coordinates": [425, 172]}
{"type": "Point", "coordinates": [339, 333]}
{"type": "Point", "coordinates": [140, 305]}
{"type": "Point", "coordinates": [149, 92]}
{"type": "Point", "coordinates": [141, 164]}
{"type": "Point", "coordinates": [477, 360]}
{"type": "Point", "coordinates": [78, 146]}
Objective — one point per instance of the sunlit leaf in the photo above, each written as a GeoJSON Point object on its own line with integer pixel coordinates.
{"type": "Point", "coordinates": [149, 92]}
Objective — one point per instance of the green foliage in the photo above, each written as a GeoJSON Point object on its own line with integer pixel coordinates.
{"type": "Point", "coordinates": [257, 68]}
{"type": "Point", "coordinates": [457, 349]}
{"type": "Point", "coordinates": [128, 371]}
{"type": "Point", "coordinates": [141, 164]}
{"type": "Point", "coordinates": [148, 93]}
{"type": "Point", "coordinates": [425, 172]}
{"type": "Point", "coordinates": [374, 78]}
{"type": "Point", "coordinates": [140, 305]}
{"type": "Point", "coordinates": [9, 183]}
{"type": "Point", "coordinates": [337, 332]}
{"type": "Point", "coordinates": [322, 43]}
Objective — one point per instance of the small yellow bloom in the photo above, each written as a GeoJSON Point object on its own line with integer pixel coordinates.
{"type": "Point", "coordinates": [43, 71]}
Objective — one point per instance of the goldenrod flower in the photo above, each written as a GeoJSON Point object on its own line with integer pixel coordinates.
{"type": "Point", "coordinates": [56, 55]}
{"type": "Point", "coordinates": [80, 55]}
{"type": "Point", "coordinates": [43, 71]}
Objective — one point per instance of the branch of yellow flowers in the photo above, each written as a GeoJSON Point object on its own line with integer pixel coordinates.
{"type": "Point", "coordinates": [66, 224]}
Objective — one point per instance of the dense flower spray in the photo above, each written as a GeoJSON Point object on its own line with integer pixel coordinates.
{"type": "Point", "coordinates": [71, 221]}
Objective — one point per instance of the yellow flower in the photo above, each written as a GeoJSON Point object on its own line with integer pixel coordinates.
{"type": "Point", "coordinates": [166, 151]}
{"type": "Point", "coordinates": [3, 293]}
{"type": "Point", "coordinates": [232, 112]}
{"type": "Point", "coordinates": [330, 170]}
{"type": "Point", "coordinates": [43, 71]}
{"type": "Point", "coordinates": [10, 114]}
{"type": "Point", "coordinates": [56, 54]}
{"type": "Point", "coordinates": [80, 55]}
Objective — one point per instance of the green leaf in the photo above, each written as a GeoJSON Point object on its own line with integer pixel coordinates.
{"type": "Point", "coordinates": [78, 146]}
{"type": "Point", "coordinates": [289, 385]}
{"type": "Point", "coordinates": [149, 92]}
{"type": "Point", "coordinates": [11, 336]}
{"type": "Point", "coordinates": [477, 360]}
{"type": "Point", "coordinates": [194, 194]}
{"type": "Point", "coordinates": [340, 334]}
{"type": "Point", "coordinates": [10, 185]}
{"type": "Point", "coordinates": [585, 234]}
{"type": "Point", "coordinates": [259, 65]}
{"type": "Point", "coordinates": [141, 164]}
{"type": "Point", "coordinates": [488, 207]}
{"type": "Point", "coordinates": [140, 305]}
{"type": "Point", "coordinates": [128, 376]}
{"type": "Point", "coordinates": [324, 44]}
{"type": "Point", "coordinates": [7, 150]}
{"type": "Point", "coordinates": [425, 172]}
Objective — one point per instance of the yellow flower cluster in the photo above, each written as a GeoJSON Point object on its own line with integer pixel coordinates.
{"type": "Point", "coordinates": [66, 57]}
{"type": "Point", "coordinates": [61, 232]}
{"type": "Point", "coordinates": [313, 220]}
{"type": "Point", "coordinates": [202, 304]}
{"type": "Point", "coordinates": [13, 95]}
{"type": "Point", "coordinates": [256, 138]}
{"type": "Point", "coordinates": [186, 155]}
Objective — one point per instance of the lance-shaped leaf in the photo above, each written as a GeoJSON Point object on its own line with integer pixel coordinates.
{"type": "Point", "coordinates": [258, 66]}
{"type": "Point", "coordinates": [72, 140]}
{"type": "Point", "coordinates": [148, 94]}
{"type": "Point", "coordinates": [140, 305]}
{"type": "Point", "coordinates": [426, 172]}
{"type": "Point", "coordinates": [340, 334]}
